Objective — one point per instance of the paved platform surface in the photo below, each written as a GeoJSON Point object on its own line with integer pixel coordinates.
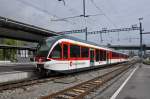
{"type": "Point", "coordinates": [16, 71]}
{"type": "Point", "coordinates": [13, 67]}
{"type": "Point", "coordinates": [138, 86]}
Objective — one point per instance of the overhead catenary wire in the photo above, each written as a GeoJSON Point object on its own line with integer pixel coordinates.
{"type": "Point", "coordinates": [71, 17]}
{"type": "Point", "coordinates": [42, 10]}
{"type": "Point", "coordinates": [101, 11]}
{"type": "Point", "coordinates": [78, 16]}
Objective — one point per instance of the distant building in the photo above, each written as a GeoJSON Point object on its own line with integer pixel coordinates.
{"type": "Point", "coordinates": [16, 51]}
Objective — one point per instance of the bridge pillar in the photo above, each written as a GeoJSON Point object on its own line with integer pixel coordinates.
{"type": "Point", "coordinates": [4, 54]}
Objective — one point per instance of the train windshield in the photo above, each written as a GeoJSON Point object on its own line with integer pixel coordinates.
{"type": "Point", "coordinates": [44, 47]}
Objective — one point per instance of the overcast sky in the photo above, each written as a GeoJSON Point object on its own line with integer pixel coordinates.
{"type": "Point", "coordinates": [115, 14]}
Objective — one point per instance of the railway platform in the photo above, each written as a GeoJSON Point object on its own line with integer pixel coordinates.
{"type": "Point", "coordinates": [136, 86]}
{"type": "Point", "coordinates": [16, 71]}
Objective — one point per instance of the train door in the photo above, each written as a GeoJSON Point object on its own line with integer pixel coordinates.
{"type": "Point", "coordinates": [91, 57]}
{"type": "Point", "coordinates": [108, 57]}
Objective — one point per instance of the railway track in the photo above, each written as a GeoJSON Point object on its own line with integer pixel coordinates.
{"type": "Point", "coordinates": [32, 81]}
{"type": "Point", "coordinates": [79, 91]}
{"type": "Point", "coordinates": [19, 84]}
{"type": "Point", "coordinates": [28, 82]}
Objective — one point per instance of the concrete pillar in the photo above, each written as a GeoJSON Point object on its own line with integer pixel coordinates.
{"type": "Point", "coordinates": [144, 52]}
{"type": "Point", "coordinates": [4, 54]}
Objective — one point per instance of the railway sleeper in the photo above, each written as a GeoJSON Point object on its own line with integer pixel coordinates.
{"type": "Point", "coordinates": [98, 81]}
{"type": "Point", "coordinates": [89, 86]}
{"type": "Point", "coordinates": [62, 96]}
{"type": "Point", "coordinates": [72, 94]}
{"type": "Point", "coordinates": [93, 83]}
{"type": "Point", "coordinates": [85, 86]}
{"type": "Point", "coordinates": [79, 90]}
{"type": "Point", "coordinates": [86, 89]}
{"type": "Point", "coordinates": [75, 92]}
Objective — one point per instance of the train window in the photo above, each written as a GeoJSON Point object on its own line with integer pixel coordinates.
{"type": "Point", "coordinates": [74, 51]}
{"type": "Point", "coordinates": [115, 55]}
{"type": "Point", "coordinates": [84, 52]}
{"type": "Point", "coordinates": [44, 47]}
{"type": "Point", "coordinates": [102, 55]}
{"type": "Point", "coordinates": [65, 51]}
{"type": "Point", "coordinates": [56, 52]}
{"type": "Point", "coordinates": [97, 55]}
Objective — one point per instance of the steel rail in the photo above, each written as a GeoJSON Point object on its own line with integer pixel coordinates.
{"type": "Point", "coordinates": [79, 91]}
{"type": "Point", "coordinates": [28, 82]}
{"type": "Point", "coordinates": [31, 81]}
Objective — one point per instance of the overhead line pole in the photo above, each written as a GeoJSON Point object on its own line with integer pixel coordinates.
{"type": "Point", "coordinates": [141, 39]}
{"type": "Point", "coordinates": [84, 15]}
{"type": "Point", "coordinates": [84, 8]}
{"type": "Point", "coordinates": [101, 37]}
{"type": "Point", "coordinates": [86, 33]}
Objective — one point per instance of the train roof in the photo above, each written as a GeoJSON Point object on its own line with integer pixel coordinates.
{"type": "Point", "coordinates": [56, 38]}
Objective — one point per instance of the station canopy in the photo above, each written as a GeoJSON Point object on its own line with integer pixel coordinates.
{"type": "Point", "coordinates": [21, 31]}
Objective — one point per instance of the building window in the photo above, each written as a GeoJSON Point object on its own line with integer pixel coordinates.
{"type": "Point", "coordinates": [56, 52]}
{"type": "Point", "coordinates": [74, 51]}
{"type": "Point", "coordinates": [84, 52]}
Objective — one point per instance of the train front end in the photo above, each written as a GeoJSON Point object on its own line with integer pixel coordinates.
{"type": "Point", "coordinates": [42, 55]}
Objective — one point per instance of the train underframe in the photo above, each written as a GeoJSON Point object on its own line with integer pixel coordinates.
{"type": "Point", "coordinates": [48, 72]}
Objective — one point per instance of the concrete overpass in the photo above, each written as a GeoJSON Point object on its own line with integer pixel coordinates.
{"type": "Point", "coordinates": [128, 47]}
{"type": "Point", "coordinates": [21, 31]}
{"type": "Point", "coordinates": [3, 46]}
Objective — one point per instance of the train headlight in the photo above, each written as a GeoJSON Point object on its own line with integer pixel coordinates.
{"type": "Point", "coordinates": [48, 59]}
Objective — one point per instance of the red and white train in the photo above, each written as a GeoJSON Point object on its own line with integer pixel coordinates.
{"type": "Point", "coordinates": [65, 54]}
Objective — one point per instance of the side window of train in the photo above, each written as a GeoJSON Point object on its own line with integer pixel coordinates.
{"type": "Point", "coordinates": [84, 52]}
{"type": "Point", "coordinates": [97, 55]}
{"type": "Point", "coordinates": [65, 51]}
{"type": "Point", "coordinates": [56, 52]}
{"type": "Point", "coordinates": [115, 55]}
{"type": "Point", "coordinates": [74, 51]}
{"type": "Point", "coordinates": [102, 55]}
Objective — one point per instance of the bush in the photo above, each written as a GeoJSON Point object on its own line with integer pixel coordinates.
{"type": "Point", "coordinates": [147, 62]}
